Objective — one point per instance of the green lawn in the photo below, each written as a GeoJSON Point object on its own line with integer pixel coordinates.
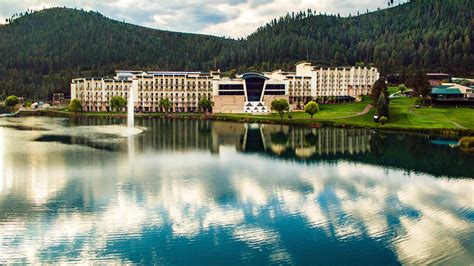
{"type": "Point", "coordinates": [326, 112]}
{"type": "Point", "coordinates": [403, 114]}
{"type": "Point", "coordinates": [392, 90]}
{"type": "Point", "coordinates": [331, 111]}
{"type": "Point", "coordinates": [463, 116]}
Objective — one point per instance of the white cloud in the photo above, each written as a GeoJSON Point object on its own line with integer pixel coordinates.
{"type": "Point", "coordinates": [235, 18]}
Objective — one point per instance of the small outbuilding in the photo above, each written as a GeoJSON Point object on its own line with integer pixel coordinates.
{"type": "Point", "coordinates": [437, 79]}
{"type": "Point", "coordinates": [58, 98]}
{"type": "Point", "coordinates": [452, 93]}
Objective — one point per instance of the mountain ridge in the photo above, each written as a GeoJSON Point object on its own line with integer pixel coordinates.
{"type": "Point", "coordinates": [42, 51]}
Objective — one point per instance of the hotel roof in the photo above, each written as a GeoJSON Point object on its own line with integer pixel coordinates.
{"type": "Point", "coordinates": [173, 72]}
{"type": "Point", "coordinates": [445, 89]}
{"type": "Point", "coordinates": [249, 75]}
{"type": "Point", "coordinates": [128, 71]}
{"type": "Point", "coordinates": [160, 73]}
{"type": "Point", "coordinates": [433, 74]}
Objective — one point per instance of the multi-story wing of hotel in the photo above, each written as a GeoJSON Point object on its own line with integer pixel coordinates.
{"type": "Point", "coordinates": [249, 92]}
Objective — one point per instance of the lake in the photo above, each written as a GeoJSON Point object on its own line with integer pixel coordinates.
{"type": "Point", "coordinates": [77, 190]}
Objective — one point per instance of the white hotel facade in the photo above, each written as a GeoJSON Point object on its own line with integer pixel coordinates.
{"type": "Point", "coordinates": [249, 92]}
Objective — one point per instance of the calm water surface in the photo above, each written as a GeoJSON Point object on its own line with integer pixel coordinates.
{"type": "Point", "coordinates": [198, 192]}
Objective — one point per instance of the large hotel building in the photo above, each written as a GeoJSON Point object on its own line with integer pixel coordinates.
{"type": "Point", "coordinates": [250, 92]}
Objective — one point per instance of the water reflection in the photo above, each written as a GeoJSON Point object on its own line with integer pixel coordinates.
{"type": "Point", "coordinates": [276, 139]}
{"type": "Point", "coordinates": [201, 192]}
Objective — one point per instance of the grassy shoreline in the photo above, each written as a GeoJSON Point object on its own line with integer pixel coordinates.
{"type": "Point", "coordinates": [404, 116]}
{"type": "Point", "coordinates": [297, 119]}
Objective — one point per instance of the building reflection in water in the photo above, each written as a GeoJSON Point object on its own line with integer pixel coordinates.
{"type": "Point", "coordinates": [402, 151]}
{"type": "Point", "coordinates": [304, 142]}
{"type": "Point", "coordinates": [309, 145]}
{"type": "Point", "coordinates": [222, 189]}
{"type": "Point", "coordinates": [301, 142]}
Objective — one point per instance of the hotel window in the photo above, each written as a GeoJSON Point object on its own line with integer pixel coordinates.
{"type": "Point", "coordinates": [231, 93]}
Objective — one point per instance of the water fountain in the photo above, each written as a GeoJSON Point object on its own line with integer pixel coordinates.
{"type": "Point", "coordinates": [131, 129]}
{"type": "Point", "coordinates": [93, 132]}
{"type": "Point", "coordinates": [130, 109]}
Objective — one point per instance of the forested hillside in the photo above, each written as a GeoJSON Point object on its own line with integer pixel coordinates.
{"type": "Point", "coordinates": [40, 52]}
{"type": "Point", "coordinates": [432, 35]}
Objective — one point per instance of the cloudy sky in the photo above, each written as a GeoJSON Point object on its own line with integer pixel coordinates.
{"type": "Point", "coordinates": [234, 18]}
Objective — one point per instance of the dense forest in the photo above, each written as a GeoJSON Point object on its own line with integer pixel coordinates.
{"type": "Point", "coordinates": [42, 51]}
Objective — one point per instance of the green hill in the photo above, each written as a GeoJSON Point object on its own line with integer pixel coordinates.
{"type": "Point", "coordinates": [41, 51]}
{"type": "Point", "coordinates": [433, 35]}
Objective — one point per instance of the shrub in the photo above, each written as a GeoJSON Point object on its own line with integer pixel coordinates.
{"type": "Point", "coordinates": [75, 106]}
{"type": "Point", "coordinates": [165, 103]}
{"type": "Point", "coordinates": [11, 101]}
{"type": "Point", "coordinates": [383, 120]}
{"type": "Point", "coordinates": [311, 108]}
{"type": "Point", "coordinates": [467, 142]}
{"type": "Point", "coordinates": [205, 104]}
{"type": "Point", "coordinates": [280, 106]}
{"type": "Point", "coordinates": [118, 103]}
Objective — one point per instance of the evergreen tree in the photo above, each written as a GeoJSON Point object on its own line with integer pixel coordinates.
{"type": "Point", "coordinates": [382, 106]}
{"type": "Point", "coordinates": [419, 83]}
{"type": "Point", "coordinates": [380, 87]}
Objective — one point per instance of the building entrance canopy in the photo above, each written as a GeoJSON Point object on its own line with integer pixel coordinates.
{"type": "Point", "coordinates": [254, 83]}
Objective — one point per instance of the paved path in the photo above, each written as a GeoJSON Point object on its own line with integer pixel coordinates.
{"type": "Point", "coordinates": [363, 112]}
{"type": "Point", "coordinates": [393, 94]}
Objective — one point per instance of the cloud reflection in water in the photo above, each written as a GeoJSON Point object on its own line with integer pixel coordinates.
{"type": "Point", "coordinates": [228, 206]}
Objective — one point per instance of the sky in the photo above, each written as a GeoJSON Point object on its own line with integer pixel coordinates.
{"type": "Point", "coordinates": [229, 18]}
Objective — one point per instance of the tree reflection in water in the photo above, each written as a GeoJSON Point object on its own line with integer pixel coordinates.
{"type": "Point", "coordinates": [235, 193]}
